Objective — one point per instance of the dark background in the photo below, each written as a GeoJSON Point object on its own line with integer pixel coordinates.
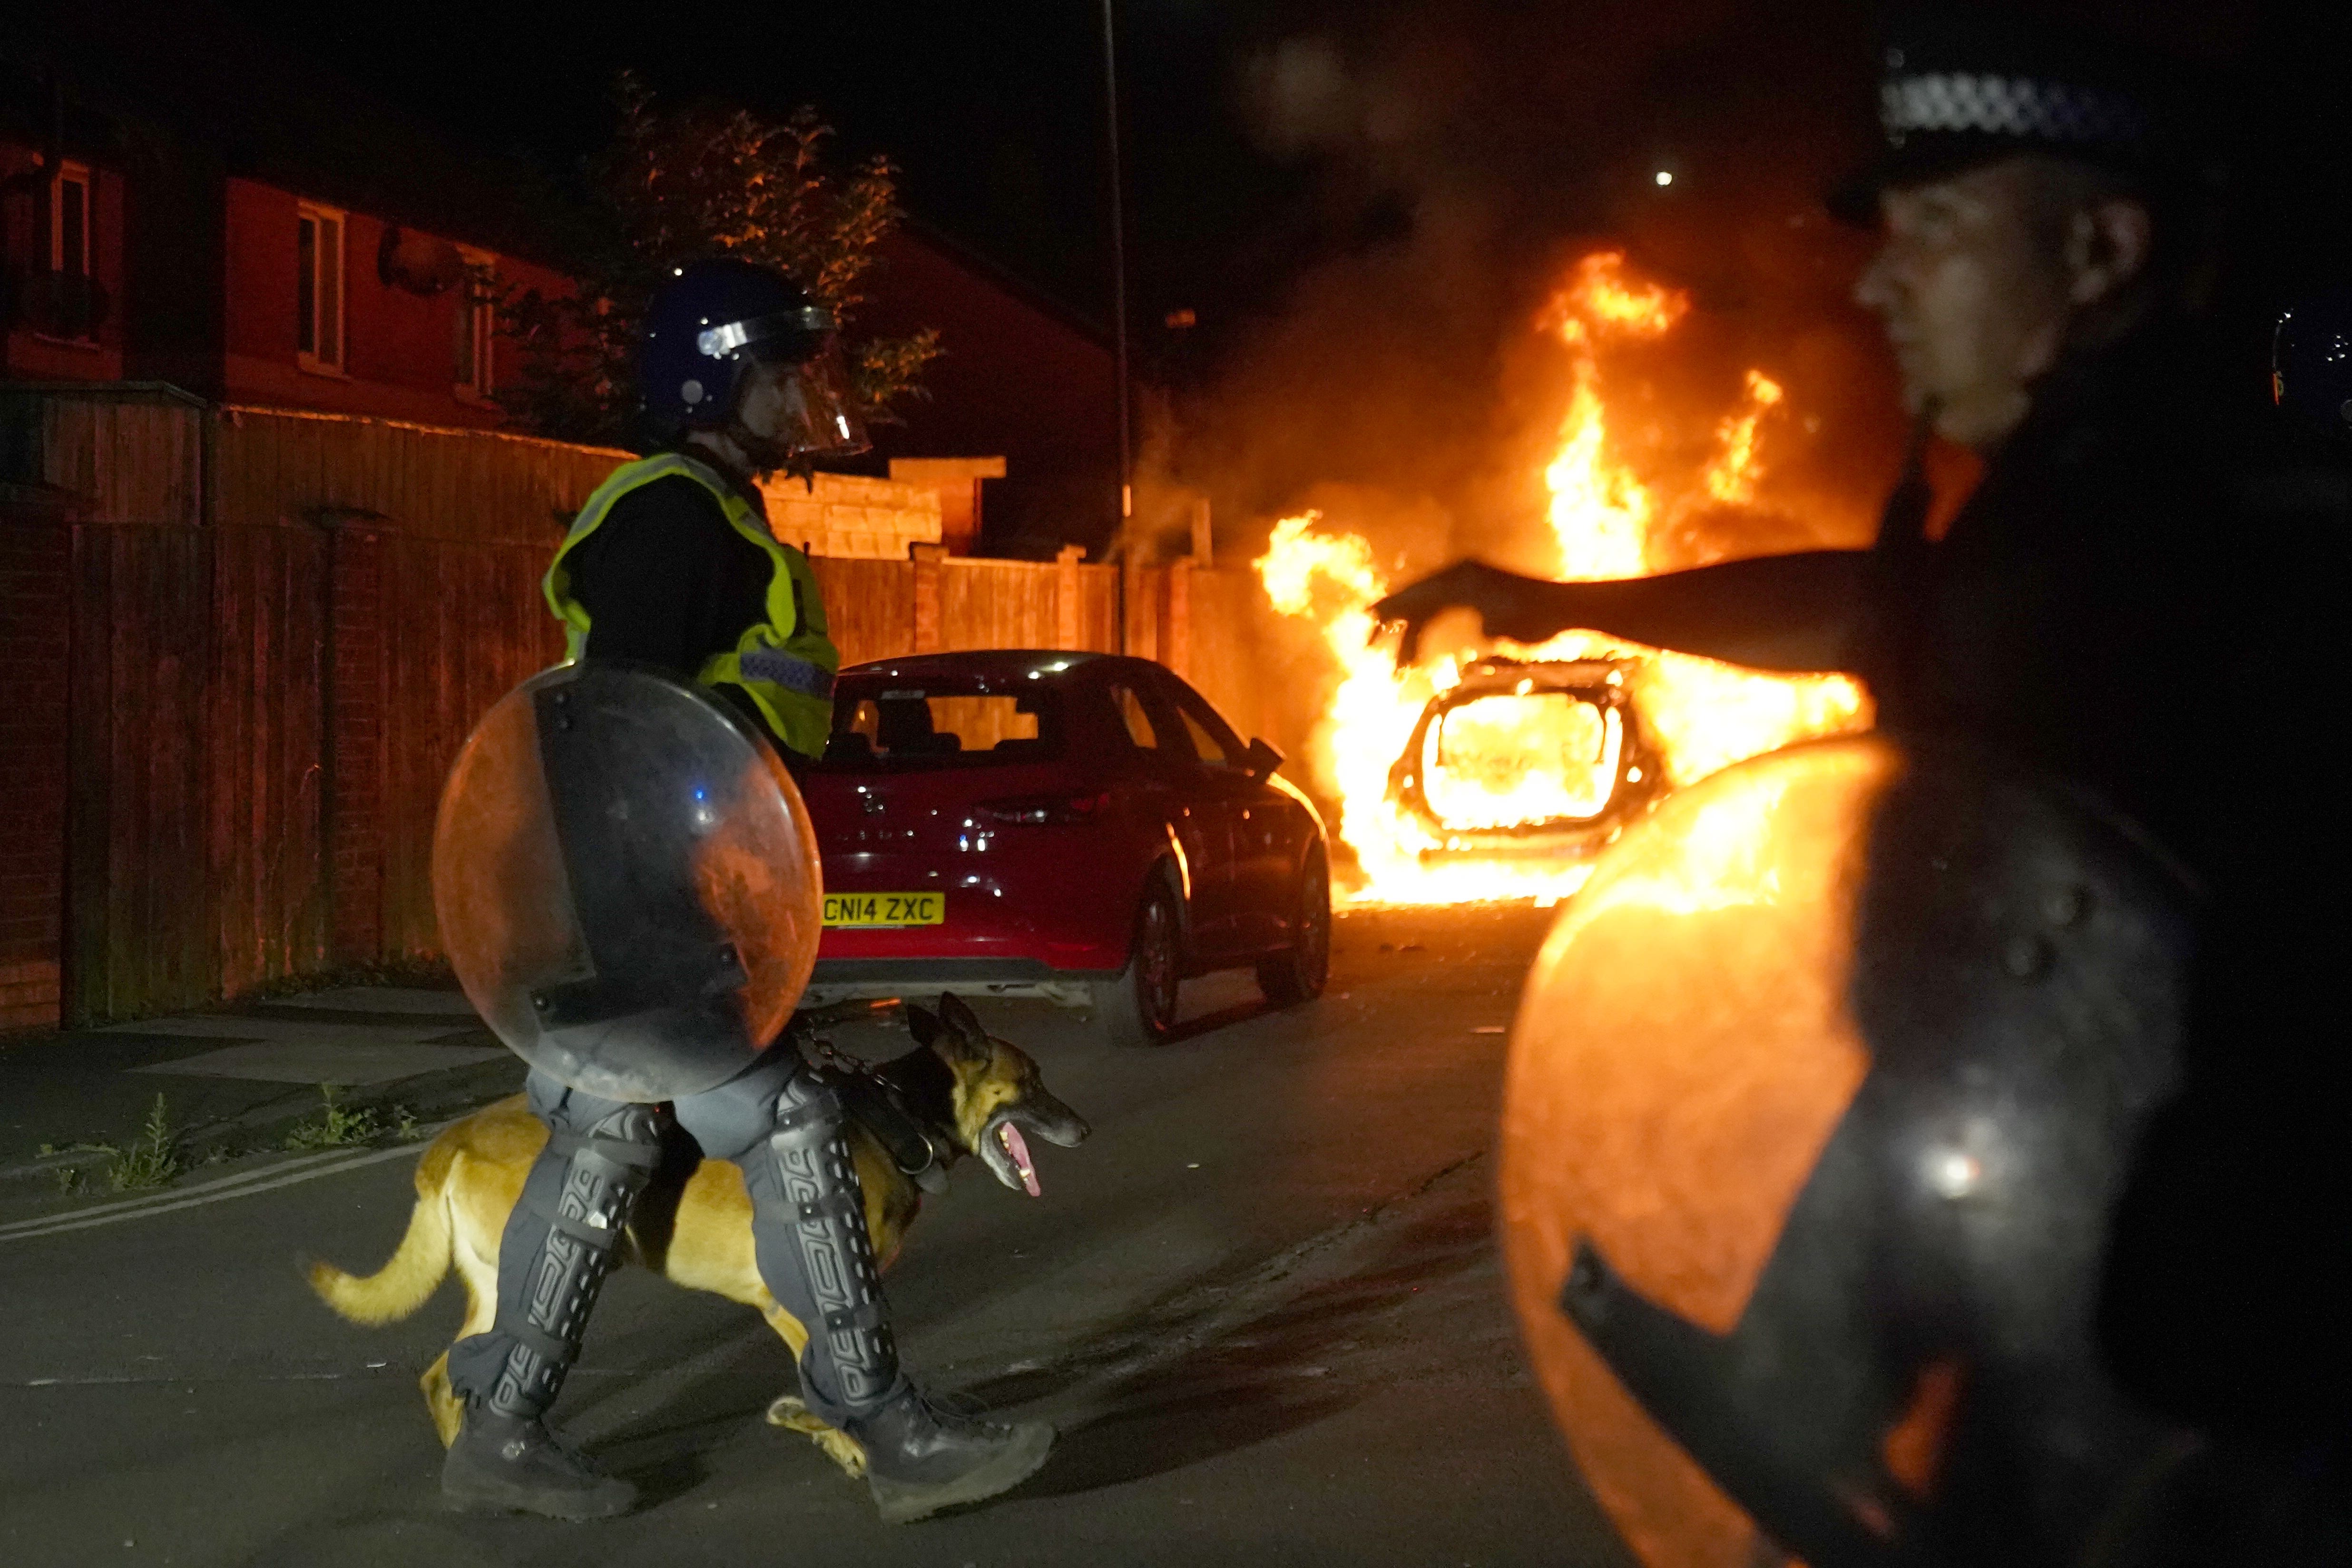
{"type": "Point", "coordinates": [1362, 204]}
{"type": "Point", "coordinates": [995, 112]}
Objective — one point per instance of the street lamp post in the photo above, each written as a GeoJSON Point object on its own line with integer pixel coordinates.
{"type": "Point", "coordinates": [1124, 545]}
{"type": "Point", "coordinates": [1118, 270]}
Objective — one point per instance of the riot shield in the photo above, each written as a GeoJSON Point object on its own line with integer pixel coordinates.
{"type": "Point", "coordinates": [1820, 1097]}
{"type": "Point", "coordinates": [627, 882]}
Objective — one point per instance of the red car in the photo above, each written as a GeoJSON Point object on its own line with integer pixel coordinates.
{"type": "Point", "coordinates": [1071, 825]}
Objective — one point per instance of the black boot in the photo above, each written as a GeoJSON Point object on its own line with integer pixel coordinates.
{"type": "Point", "coordinates": [921, 1459]}
{"type": "Point", "coordinates": [808, 1228]}
{"type": "Point", "coordinates": [513, 1462]}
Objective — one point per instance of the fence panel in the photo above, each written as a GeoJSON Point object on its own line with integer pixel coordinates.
{"type": "Point", "coordinates": [999, 603]}
{"type": "Point", "coordinates": [1225, 654]}
{"type": "Point", "coordinates": [475, 486]}
{"type": "Point", "coordinates": [1099, 612]}
{"type": "Point", "coordinates": [124, 459]}
{"type": "Point", "coordinates": [463, 624]}
{"type": "Point", "coordinates": [138, 885]}
{"type": "Point", "coordinates": [266, 746]}
{"type": "Point", "coordinates": [869, 606]}
{"type": "Point", "coordinates": [36, 630]}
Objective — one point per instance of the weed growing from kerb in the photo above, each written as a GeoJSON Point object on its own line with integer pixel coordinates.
{"type": "Point", "coordinates": [337, 1127]}
{"type": "Point", "coordinates": [154, 1157]}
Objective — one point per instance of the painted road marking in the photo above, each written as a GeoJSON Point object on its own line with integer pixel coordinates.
{"type": "Point", "coordinates": [294, 1031]}
{"type": "Point", "coordinates": [292, 1173]}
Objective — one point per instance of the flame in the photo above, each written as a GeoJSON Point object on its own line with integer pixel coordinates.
{"type": "Point", "coordinates": [1600, 512]}
{"type": "Point", "coordinates": [1597, 298]}
{"type": "Point", "coordinates": [1731, 478]}
{"type": "Point", "coordinates": [1700, 716]}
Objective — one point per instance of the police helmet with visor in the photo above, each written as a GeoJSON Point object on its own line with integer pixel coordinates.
{"type": "Point", "coordinates": [710, 323]}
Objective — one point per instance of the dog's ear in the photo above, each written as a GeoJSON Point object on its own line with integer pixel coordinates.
{"type": "Point", "coordinates": [957, 1013]}
{"type": "Point", "coordinates": [922, 1023]}
{"type": "Point", "coordinates": [961, 1037]}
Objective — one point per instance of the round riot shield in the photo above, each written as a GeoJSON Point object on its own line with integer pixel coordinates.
{"type": "Point", "coordinates": [1819, 1098]}
{"type": "Point", "coordinates": [627, 882]}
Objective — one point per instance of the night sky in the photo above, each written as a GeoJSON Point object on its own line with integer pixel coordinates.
{"type": "Point", "coordinates": [1361, 203]}
{"type": "Point", "coordinates": [996, 112]}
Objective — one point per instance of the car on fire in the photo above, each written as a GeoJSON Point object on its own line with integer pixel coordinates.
{"type": "Point", "coordinates": [1081, 827]}
{"type": "Point", "coordinates": [1528, 758]}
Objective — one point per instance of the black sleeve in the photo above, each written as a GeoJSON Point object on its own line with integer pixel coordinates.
{"type": "Point", "coordinates": [1793, 613]}
{"type": "Point", "coordinates": [651, 575]}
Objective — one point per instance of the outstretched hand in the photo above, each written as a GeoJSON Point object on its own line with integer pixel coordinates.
{"type": "Point", "coordinates": [1501, 598]}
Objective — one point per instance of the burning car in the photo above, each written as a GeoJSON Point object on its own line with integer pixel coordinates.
{"type": "Point", "coordinates": [1494, 780]}
{"type": "Point", "coordinates": [1536, 757]}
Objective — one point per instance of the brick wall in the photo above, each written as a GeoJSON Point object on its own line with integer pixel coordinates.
{"type": "Point", "coordinates": [36, 566]}
{"type": "Point", "coordinates": [853, 517]}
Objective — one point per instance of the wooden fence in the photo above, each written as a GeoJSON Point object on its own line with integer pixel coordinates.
{"type": "Point", "coordinates": [247, 643]}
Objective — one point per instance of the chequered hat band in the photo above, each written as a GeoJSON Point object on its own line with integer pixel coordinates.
{"type": "Point", "coordinates": [2006, 106]}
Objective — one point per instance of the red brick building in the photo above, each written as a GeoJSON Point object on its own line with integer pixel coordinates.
{"type": "Point", "coordinates": [320, 305]}
{"type": "Point", "coordinates": [182, 200]}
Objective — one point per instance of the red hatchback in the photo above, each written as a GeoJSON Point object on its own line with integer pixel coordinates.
{"type": "Point", "coordinates": [1071, 825]}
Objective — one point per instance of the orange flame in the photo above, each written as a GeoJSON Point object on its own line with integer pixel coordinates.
{"type": "Point", "coordinates": [1731, 476]}
{"type": "Point", "coordinates": [1700, 715]}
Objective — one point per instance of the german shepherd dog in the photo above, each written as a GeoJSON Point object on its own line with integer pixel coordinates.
{"type": "Point", "coordinates": [968, 1092]}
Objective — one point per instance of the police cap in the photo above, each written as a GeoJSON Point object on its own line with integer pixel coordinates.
{"type": "Point", "coordinates": [1966, 85]}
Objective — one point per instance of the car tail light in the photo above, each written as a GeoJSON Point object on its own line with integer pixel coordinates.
{"type": "Point", "coordinates": [1047, 810]}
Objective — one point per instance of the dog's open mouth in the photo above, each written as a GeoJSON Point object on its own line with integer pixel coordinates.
{"type": "Point", "coordinates": [1017, 1149]}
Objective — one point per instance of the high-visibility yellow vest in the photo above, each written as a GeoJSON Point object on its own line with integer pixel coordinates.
{"type": "Point", "coordinates": [785, 662]}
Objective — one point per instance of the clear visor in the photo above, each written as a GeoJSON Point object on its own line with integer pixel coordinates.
{"type": "Point", "coordinates": [814, 416]}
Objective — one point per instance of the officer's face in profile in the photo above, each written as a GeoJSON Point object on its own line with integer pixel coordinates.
{"type": "Point", "coordinates": [1983, 279]}
{"type": "Point", "coordinates": [760, 399]}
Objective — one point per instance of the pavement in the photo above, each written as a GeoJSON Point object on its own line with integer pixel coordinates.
{"type": "Point", "coordinates": [1262, 1303]}
{"type": "Point", "coordinates": [238, 1081]}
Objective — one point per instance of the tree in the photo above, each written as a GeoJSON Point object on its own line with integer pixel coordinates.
{"type": "Point", "coordinates": [676, 184]}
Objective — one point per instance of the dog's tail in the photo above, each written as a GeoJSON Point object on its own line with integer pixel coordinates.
{"type": "Point", "coordinates": [408, 1280]}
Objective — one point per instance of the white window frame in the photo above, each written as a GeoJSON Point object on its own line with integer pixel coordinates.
{"type": "Point", "coordinates": [84, 265]}
{"type": "Point", "coordinates": [478, 320]}
{"type": "Point", "coordinates": [329, 308]}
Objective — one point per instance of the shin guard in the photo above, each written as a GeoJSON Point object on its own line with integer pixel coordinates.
{"type": "Point", "coordinates": [553, 1261]}
{"type": "Point", "coordinates": [808, 1224]}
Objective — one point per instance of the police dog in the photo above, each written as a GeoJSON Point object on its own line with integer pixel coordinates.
{"type": "Point", "coordinates": [969, 1092]}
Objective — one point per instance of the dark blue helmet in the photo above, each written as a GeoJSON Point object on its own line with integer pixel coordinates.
{"type": "Point", "coordinates": [710, 320]}
{"type": "Point", "coordinates": [2311, 362]}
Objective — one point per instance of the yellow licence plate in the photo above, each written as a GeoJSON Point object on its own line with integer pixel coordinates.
{"type": "Point", "coordinates": [885, 909]}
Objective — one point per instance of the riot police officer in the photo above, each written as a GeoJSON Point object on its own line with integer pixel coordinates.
{"type": "Point", "coordinates": [671, 565]}
{"type": "Point", "coordinates": [2142, 597]}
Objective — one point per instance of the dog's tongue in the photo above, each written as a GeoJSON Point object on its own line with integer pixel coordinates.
{"type": "Point", "coordinates": [1017, 1146]}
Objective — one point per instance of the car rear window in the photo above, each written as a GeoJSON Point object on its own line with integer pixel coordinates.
{"type": "Point", "coordinates": [1498, 758]}
{"type": "Point", "coordinates": [890, 725]}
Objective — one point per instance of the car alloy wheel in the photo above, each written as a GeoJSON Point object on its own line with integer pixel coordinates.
{"type": "Point", "coordinates": [1139, 1007]}
{"type": "Point", "coordinates": [1297, 974]}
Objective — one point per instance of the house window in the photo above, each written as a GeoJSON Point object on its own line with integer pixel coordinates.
{"type": "Point", "coordinates": [476, 320]}
{"type": "Point", "coordinates": [70, 220]}
{"type": "Point", "coordinates": [319, 289]}
{"type": "Point", "coordinates": [64, 303]}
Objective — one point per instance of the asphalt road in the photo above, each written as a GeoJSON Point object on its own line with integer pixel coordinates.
{"type": "Point", "coordinates": [1262, 1303]}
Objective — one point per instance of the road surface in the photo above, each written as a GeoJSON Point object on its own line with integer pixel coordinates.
{"type": "Point", "coordinates": [1262, 1302]}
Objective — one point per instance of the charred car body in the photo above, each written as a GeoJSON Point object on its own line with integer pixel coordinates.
{"type": "Point", "coordinates": [1528, 757]}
